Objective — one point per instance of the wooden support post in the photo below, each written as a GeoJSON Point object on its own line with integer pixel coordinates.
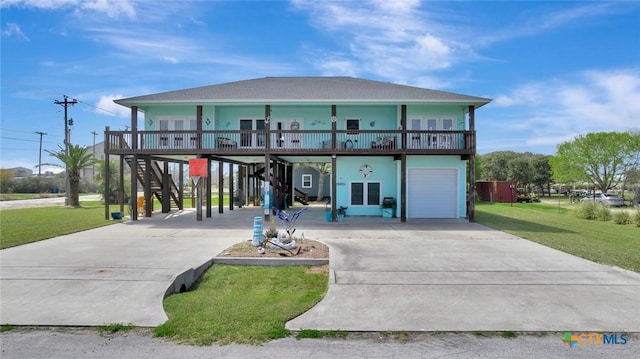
{"type": "Point", "coordinates": [181, 187]}
{"type": "Point", "coordinates": [403, 125]}
{"type": "Point", "coordinates": [231, 186]}
{"type": "Point", "coordinates": [199, 127]}
{"type": "Point", "coordinates": [334, 188]}
{"type": "Point", "coordinates": [134, 163]}
{"type": "Point", "coordinates": [207, 192]}
{"type": "Point", "coordinates": [166, 188]}
{"type": "Point", "coordinates": [471, 200]}
{"type": "Point", "coordinates": [148, 196]}
{"type": "Point", "coordinates": [121, 198]}
{"type": "Point", "coordinates": [107, 176]}
{"type": "Point", "coordinates": [403, 187]}
{"type": "Point", "coordinates": [220, 187]}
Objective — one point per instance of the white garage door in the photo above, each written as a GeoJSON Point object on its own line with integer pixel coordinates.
{"type": "Point", "coordinates": [432, 193]}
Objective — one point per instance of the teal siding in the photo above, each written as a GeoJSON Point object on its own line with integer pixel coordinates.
{"type": "Point", "coordinates": [439, 110]}
{"type": "Point", "coordinates": [371, 117]}
{"type": "Point", "coordinates": [385, 171]}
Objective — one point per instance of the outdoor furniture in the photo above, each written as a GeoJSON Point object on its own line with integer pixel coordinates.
{"type": "Point", "coordinates": [224, 142]}
{"type": "Point", "coordinates": [384, 143]}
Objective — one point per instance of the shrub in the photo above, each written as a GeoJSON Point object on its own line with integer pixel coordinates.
{"type": "Point", "coordinates": [636, 218]}
{"type": "Point", "coordinates": [603, 213]}
{"type": "Point", "coordinates": [586, 210]}
{"type": "Point", "coordinates": [622, 218]}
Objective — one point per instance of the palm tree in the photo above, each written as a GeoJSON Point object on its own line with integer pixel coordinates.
{"type": "Point", "coordinates": [74, 160]}
{"type": "Point", "coordinates": [113, 193]}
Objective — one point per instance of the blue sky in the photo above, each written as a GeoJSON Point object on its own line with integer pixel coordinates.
{"type": "Point", "coordinates": [553, 69]}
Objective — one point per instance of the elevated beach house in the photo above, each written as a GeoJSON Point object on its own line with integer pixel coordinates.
{"type": "Point", "coordinates": [412, 146]}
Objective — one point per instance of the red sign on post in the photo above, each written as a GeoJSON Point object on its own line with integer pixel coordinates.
{"type": "Point", "coordinates": [198, 168]}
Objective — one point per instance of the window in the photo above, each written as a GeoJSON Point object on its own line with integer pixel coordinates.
{"type": "Point", "coordinates": [365, 193]}
{"type": "Point", "coordinates": [307, 181]}
{"type": "Point", "coordinates": [353, 126]}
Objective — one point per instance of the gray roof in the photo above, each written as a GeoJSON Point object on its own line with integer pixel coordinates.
{"type": "Point", "coordinates": [273, 90]}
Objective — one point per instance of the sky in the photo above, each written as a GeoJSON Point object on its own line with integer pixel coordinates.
{"type": "Point", "coordinates": [554, 70]}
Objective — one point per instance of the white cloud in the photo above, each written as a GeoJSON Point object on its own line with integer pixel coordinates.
{"type": "Point", "coordinates": [106, 106]}
{"type": "Point", "coordinates": [13, 30]}
{"type": "Point", "coordinates": [532, 23]}
{"type": "Point", "coordinates": [40, 4]}
{"type": "Point", "coordinates": [549, 112]}
{"type": "Point", "coordinates": [112, 8]}
{"type": "Point", "coordinates": [391, 39]}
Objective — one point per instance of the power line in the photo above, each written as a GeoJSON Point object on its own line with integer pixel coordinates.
{"type": "Point", "coordinates": [99, 108]}
{"type": "Point", "coordinates": [48, 91]}
{"type": "Point", "coordinates": [22, 139]}
{"type": "Point", "coordinates": [19, 131]}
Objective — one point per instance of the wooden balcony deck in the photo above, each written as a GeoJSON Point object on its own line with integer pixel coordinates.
{"type": "Point", "coordinates": [308, 142]}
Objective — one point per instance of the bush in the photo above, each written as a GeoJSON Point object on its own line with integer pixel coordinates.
{"type": "Point", "coordinates": [586, 210]}
{"type": "Point", "coordinates": [636, 218]}
{"type": "Point", "coordinates": [622, 218]}
{"type": "Point", "coordinates": [603, 213]}
{"type": "Point", "coordinates": [37, 185]}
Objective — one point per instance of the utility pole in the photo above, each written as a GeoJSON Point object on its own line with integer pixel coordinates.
{"type": "Point", "coordinates": [65, 103]}
{"type": "Point", "coordinates": [94, 133]}
{"type": "Point", "coordinates": [40, 153]}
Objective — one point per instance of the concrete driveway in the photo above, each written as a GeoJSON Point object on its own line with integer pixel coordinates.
{"type": "Point", "coordinates": [438, 275]}
{"type": "Point", "coordinates": [114, 274]}
{"type": "Point", "coordinates": [424, 275]}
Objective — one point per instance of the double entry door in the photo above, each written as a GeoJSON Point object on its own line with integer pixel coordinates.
{"type": "Point", "coordinates": [287, 135]}
{"type": "Point", "coordinates": [437, 139]}
{"type": "Point", "coordinates": [177, 140]}
{"type": "Point", "coordinates": [254, 134]}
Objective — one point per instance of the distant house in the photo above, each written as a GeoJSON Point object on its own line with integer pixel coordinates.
{"type": "Point", "coordinates": [382, 140]}
{"type": "Point", "coordinates": [306, 181]}
{"type": "Point", "coordinates": [97, 151]}
{"type": "Point", "coordinates": [21, 172]}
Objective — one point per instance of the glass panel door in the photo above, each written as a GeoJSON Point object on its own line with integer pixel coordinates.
{"type": "Point", "coordinates": [261, 137]}
{"type": "Point", "coordinates": [163, 125]}
{"type": "Point", "coordinates": [432, 138]}
{"type": "Point", "coordinates": [415, 140]}
{"type": "Point", "coordinates": [245, 137]}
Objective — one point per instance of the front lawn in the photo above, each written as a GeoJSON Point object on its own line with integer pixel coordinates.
{"type": "Point", "coordinates": [602, 242]}
{"type": "Point", "coordinates": [242, 304]}
{"type": "Point", "coordinates": [26, 225]}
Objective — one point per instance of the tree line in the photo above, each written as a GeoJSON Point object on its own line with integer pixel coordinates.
{"type": "Point", "coordinates": [604, 160]}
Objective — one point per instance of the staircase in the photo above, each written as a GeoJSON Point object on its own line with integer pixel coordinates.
{"type": "Point", "coordinates": [301, 196]}
{"type": "Point", "coordinates": [156, 179]}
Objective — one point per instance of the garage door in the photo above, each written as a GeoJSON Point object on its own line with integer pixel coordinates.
{"type": "Point", "coordinates": [432, 193]}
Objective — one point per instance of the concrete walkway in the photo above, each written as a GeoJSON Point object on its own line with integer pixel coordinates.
{"type": "Point", "coordinates": [424, 275]}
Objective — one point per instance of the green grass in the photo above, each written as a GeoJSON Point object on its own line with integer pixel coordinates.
{"type": "Point", "coordinates": [26, 225]}
{"type": "Point", "coordinates": [115, 327]}
{"type": "Point", "coordinates": [242, 304]}
{"type": "Point", "coordinates": [603, 242]}
{"type": "Point", "coordinates": [19, 196]}
{"type": "Point", "coordinates": [6, 328]}
{"type": "Point", "coordinates": [319, 334]}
